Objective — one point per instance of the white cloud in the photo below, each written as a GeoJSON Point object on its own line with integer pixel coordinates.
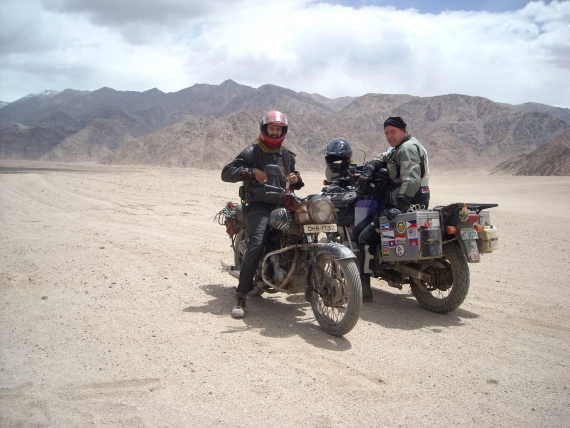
{"type": "Point", "coordinates": [510, 57]}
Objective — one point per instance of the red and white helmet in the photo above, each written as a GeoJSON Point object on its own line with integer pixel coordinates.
{"type": "Point", "coordinates": [274, 118]}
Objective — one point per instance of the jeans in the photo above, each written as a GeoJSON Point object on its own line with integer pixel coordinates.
{"type": "Point", "coordinates": [257, 219]}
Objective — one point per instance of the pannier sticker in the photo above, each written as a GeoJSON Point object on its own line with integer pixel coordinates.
{"type": "Point", "coordinates": [400, 250]}
{"type": "Point", "coordinates": [412, 233]}
{"type": "Point", "coordinates": [414, 242]}
{"type": "Point", "coordinates": [385, 226]}
{"type": "Point", "coordinates": [412, 224]}
{"type": "Point", "coordinates": [401, 237]}
{"type": "Point", "coordinates": [385, 252]}
{"type": "Point", "coordinates": [388, 235]}
{"type": "Point", "coordinates": [401, 227]}
{"type": "Point", "coordinates": [388, 244]}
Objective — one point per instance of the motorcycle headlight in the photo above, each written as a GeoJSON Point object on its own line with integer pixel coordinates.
{"type": "Point", "coordinates": [322, 210]}
{"type": "Point", "coordinates": [280, 219]}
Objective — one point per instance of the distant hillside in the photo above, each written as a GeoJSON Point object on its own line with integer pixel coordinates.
{"type": "Point", "coordinates": [205, 126]}
{"type": "Point", "coordinates": [560, 113]}
{"type": "Point", "coordinates": [551, 159]}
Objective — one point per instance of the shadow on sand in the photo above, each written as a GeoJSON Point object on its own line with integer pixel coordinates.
{"type": "Point", "coordinates": [402, 311]}
{"type": "Point", "coordinates": [278, 315]}
{"type": "Point", "coordinates": [274, 315]}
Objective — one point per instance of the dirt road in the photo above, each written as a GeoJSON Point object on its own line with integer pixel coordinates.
{"type": "Point", "coordinates": [114, 312]}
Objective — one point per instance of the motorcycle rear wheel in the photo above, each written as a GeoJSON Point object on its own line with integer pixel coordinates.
{"type": "Point", "coordinates": [338, 302]}
{"type": "Point", "coordinates": [449, 287]}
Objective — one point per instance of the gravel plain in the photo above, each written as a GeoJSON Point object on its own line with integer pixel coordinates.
{"type": "Point", "coordinates": [114, 313]}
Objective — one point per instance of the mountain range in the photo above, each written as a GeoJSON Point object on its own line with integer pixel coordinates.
{"type": "Point", "coordinates": [205, 126]}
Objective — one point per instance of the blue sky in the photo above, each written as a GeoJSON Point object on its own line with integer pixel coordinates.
{"type": "Point", "coordinates": [507, 51]}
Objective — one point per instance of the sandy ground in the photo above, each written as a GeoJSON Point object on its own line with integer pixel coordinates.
{"type": "Point", "coordinates": [114, 312]}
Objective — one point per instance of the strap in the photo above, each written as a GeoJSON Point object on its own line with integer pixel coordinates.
{"type": "Point", "coordinates": [256, 156]}
{"type": "Point", "coordinates": [286, 162]}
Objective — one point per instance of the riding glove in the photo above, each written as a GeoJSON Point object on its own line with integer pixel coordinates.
{"type": "Point", "coordinates": [403, 203]}
{"type": "Point", "coordinates": [391, 213]}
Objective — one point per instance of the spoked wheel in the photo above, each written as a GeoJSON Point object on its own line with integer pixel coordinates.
{"type": "Point", "coordinates": [338, 299]}
{"type": "Point", "coordinates": [449, 282]}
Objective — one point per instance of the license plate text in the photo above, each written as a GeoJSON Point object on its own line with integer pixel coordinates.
{"type": "Point", "coordinates": [319, 228]}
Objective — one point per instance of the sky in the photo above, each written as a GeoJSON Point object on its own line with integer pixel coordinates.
{"type": "Point", "coordinates": [505, 50]}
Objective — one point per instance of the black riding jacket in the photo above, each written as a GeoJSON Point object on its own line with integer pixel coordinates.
{"type": "Point", "coordinates": [242, 169]}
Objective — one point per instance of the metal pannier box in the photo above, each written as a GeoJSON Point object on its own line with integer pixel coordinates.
{"type": "Point", "coordinates": [411, 236]}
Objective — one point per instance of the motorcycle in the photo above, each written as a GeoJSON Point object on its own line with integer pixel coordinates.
{"type": "Point", "coordinates": [429, 250]}
{"type": "Point", "coordinates": [295, 261]}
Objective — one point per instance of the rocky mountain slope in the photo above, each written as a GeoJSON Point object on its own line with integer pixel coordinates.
{"type": "Point", "coordinates": [551, 159]}
{"type": "Point", "coordinates": [207, 125]}
{"type": "Point", "coordinates": [458, 131]}
{"type": "Point", "coordinates": [560, 113]}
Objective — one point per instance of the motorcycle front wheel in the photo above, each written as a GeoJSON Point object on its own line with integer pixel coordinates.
{"type": "Point", "coordinates": [338, 299]}
{"type": "Point", "coordinates": [449, 285]}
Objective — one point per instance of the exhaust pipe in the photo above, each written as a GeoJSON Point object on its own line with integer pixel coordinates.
{"type": "Point", "coordinates": [230, 269]}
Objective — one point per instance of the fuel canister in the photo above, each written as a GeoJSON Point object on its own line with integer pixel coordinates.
{"type": "Point", "coordinates": [488, 240]}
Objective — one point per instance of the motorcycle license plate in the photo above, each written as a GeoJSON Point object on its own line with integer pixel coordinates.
{"type": "Point", "coordinates": [319, 228]}
{"type": "Point", "coordinates": [469, 234]}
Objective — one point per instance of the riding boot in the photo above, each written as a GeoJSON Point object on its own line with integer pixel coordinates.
{"type": "Point", "coordinates": [238, 310]}
{"type": "Point", "coordinates": [366, 290]}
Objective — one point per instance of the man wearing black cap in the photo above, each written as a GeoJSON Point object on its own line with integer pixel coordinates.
{"type": "Point", "coordinates": [407, 163]}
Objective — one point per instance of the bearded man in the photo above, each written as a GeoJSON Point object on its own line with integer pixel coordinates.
{"type": "Point", "coordinates": [249, 167]}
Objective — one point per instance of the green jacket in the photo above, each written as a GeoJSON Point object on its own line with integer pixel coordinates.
{"type": "Point", "coordinates": [409, 170]}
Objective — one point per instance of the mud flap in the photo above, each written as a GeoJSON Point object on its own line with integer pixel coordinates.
{"type": "Point", "coordinates": [469, 248]}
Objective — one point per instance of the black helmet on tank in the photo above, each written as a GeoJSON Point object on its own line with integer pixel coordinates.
{"type": "Point", "coordinates": [338, 154]}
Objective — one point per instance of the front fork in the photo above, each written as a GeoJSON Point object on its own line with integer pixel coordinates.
{"type": "Point", "coordinates": [314, 274]}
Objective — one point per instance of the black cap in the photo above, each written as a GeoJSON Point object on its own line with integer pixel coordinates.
{"type": "Point", "coordinates": [396, 122]}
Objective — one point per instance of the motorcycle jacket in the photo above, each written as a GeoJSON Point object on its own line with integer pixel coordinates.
{"type": "Point", "coordinates": [242, 168]}
{"type": "Point", "coordinates": [409, 171]}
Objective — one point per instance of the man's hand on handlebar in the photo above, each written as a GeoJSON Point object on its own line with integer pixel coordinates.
{"type": "Point", "coordinates": [260, 176]}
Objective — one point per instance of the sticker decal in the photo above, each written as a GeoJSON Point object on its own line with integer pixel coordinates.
{"type": "Point", "coordinates": [385, 252]}
{"type": "Point", "coordinates": [412, 233]}
{"type": "Point", "coordinates": [401, 227]}
{"type": "Point", "coordinates": [401, 237]}
{"type": "Point", "coordinates": [400, 250]}
{"type": "Point", "coordinates": [414, 242]}
{"type": "Point", "coordinates": [412, 224]}
{"type": "Point", "coordinates": [385, 226]}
